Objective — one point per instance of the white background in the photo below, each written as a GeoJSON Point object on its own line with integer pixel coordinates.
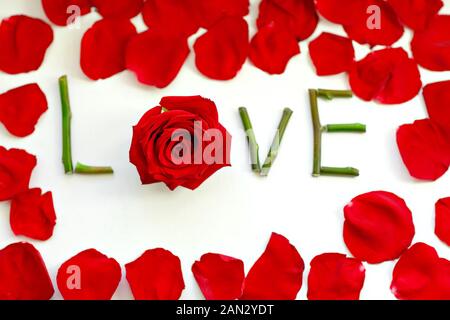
{"type": "Point", "coordinates": [234, 212]}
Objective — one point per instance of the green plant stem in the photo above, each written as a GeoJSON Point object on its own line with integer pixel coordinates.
{"type": "Point", "coordinates": [66, 125]}
{"type": "Point", "coordinates": [350, 127]}
{"type": "Point", "coordinates": [275, 148]}
{"type": "Point", "coordinates": [251, 138]}
{"type": "Point", "coordinates": [347, 172]}
{"type": "Point", "coordinates": [331, 94]}
{"type": "Point", "coordinates": [317, 127]}
{"type": "Point", "coordinates": [91, 170]}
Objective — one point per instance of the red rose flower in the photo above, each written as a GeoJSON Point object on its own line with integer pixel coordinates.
{"type": "Point", "coordinates": [442, 224]}
{"type": "Point", "coordinates": [24, 42]}
{"type": "Point", "coordinates": [156, 275]}
{"type": "Point", "coordinates": [416, 14]}
{"type": "Point", "coordinates": [23, 274]}
{"type": "Point", "coordinates": [16, 167]}
{"type": "Point", "coordinates": [33, 214]}
{"type": "Point", "coordinates": [125, 9]}
{"type": "Point", "coordinates": [21, 108]}
{"type": "Point", "coordinates": [90, 275]}
{"type": "Point", "coordinates": [63, 12]}
{"type": "Point", "coordinates": [209, 12]}
{"type": "Point", "coordinates": [180, 143]}
{"type": "Point", "coordinates": [378, 227]}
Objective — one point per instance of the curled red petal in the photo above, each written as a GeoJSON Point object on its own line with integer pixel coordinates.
{"type": "Point", "coordinates": [378, 227]}
{"type": "Point", "coordinates": [125, 9]}
{"type": "Point", "coordinates": [223, 49]}
{"type": "Point", "coordinates": [219, 277]}
{"type": "Point", "coordinates": [272, 47]}
{"type": "Point", "coordinates": [64, 12]}
{"type": "Point", "coordinates": [437, 99]}
{"type": "Point", "coordinates": [33, 214]}
{"type": "Point", "coordinates": [334, 276]}
{"type": "Point", "coordinates": [25, 41]}
{"type": "Point", "coordinates": [277, 275]}
{"type": "Point", "coordinates": [442, 224]}
{"type": "Point", "coordinates": [89, 275]}
{"type": "Point", "coordinates": [421, 275]}
{"type": "Point", "coordinates": [16, 167]}
{"type": "Point", "coordinates": [103, 48]}
{"type": "Point", "coordinates": [416, 14]}
{"type": "Point", "coordinates": [424, 149]}
{"type": "Point", "coordinates": [331, 54]}
{"type": "Point", "coordinates": [21, 108]}
{"type": "Point", "coordinates": [156, 57]}
{"type": "Point", "coordinates": [298, 16]}
{"type": "Point", "coordinates": [431, 46]}
{"type": "Point", "coordinates": [156, 275]}
{"type": "Point", "coordinates": [209, 12]}
{"type": "Point", "coordinates": [388, 76]}
{"type": "Point", "coordinates": [23, 274]}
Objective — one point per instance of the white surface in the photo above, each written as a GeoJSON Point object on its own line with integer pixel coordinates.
{"type": "Point", "coordinates": [234, 212]}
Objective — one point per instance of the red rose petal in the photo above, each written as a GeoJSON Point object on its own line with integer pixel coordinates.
{"type": "Point", "coordinates": [331, 54]}
{"type": "Point", "coordinates": [156, 275]}
{"type": "Point", "coordinates": [277, 275]}
{"type": "Point", "coordinates": [156, 57]}
{"type": "Point", "coordinates": [333, 276]}
{"type": "Point", "coordinates": [378, 227]}
{"type": "Point", "coordinates": [272, 47]}
{"type": "Point", "coordinates": [341, 11]}
{"type": "Point", "coordinates": [90, 275]}
{"type": "Point", "coordinates": [209, 12]}
{"type": "Point", "coordinates": [431, 47]}
{"type": "Point", "coordinates": [21, 108]}
{"type": "Point", "coordinates": [219, 277]}
{"type": "Point", "coordinates": [33, 214]}
{"type": "Point", "coordinates": [437, 99]}
{"type": "Point", "coordinates": [221, 52]}
{"type": "Point", "coordinates": [425, 149]}
{"type": "Point", "coordinates": [298, 16]}
{"type": "Point", "coordinates": [388, 76]}
{"type": "Point", "coordinates": [442, 227]}
{"type": "Point", "coordinates": [62, 12]}
{"type": "Point", "coordinates": [23, 274]}
{"type": "Point", "coordinates": [421, 275]}
{"type": "Point", "coordinates": [16, 167]}
{"type": "Point", "coordinates": [25, 41]}
{"type": "Point", "coordinates": [162, 14]}
{"type": "Point", "coordinates": [125, 9]}
{"type": "Point", "coordinates": [416, 14]}
{"type": "Point", "coordinates": [103, 48]}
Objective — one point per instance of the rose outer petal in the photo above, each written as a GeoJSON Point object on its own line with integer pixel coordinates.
{"type": "Point", "coordinates": [442, 225]}
{"type": "Point", "coordinates": [63, 12]}
{"type": "Point", "coordinates": [89, 275]}
{"type": "Point", "coordinates": [437, 99]}
{"type": "Point", "coordinates": [416, 14]}
{"type": "Point", "coordinates": [378, 227]}
{"type": "Point", "coordinates": [156, 275]}
{"type": "Point", "coordinates": [219, 277]}
{"type": "Point", "coordinates": [341, 11]}
{"type": "Point", "coordinates": [277, 275]}
{"type": "Point", "coordinates": [23, 274]}
{"type": "Point", "coordinates": [122, 9]}
{"type": "Point", "coordinates": [21, 108]}
{"type": "Point", "coordinates": [209, 12]}
{"type": "Point", "coordinates": [334, 276]}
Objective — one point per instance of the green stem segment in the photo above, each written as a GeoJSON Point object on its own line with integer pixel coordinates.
{"type": "Point", "coordinates": [330, 171]}
{"type": "Point", "coordinates": [331, 94]}
{"type": "Point", "coordinates": [85, 169]}
{"type": "Point", "coordinates": [351, 127]}
{"type": "Point", "coordinates": [317, 132]}
{"type": "Point", "coordinates": [66, 125]}
{"type": "Point", "coordinates": [251, 138]}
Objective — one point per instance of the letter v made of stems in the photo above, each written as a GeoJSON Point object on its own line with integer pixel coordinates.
{"type": "Point", "coordinates": [67, 139]}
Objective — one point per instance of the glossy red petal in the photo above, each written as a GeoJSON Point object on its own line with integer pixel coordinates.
{"type": "Point", "coordinates": [341, 11]}
{"type": "Point", "coordinates": [209, 12]}
{"type": "Point", "coordinates": [16, 167]}
{"type": "Point", "coordinates": [388, 76]}
{"type": "Point", "coordinates": [156, 57]}
{"type": "Point", "coordinates": [21, 108]}
{"type": "Point", "coordinates": [162, 14]}
{"type": "Point", "coordinates": [331, 54]}
{"type": "Point", "coordinates": [221, 52]}
{"type": "Point", "coordinates": [277, 275]}
{"type": "Point", "coordinates": [24, 42]}
{"type": "Point", "coordinates": [416, 14]}
{"type": "Point", "coordinates": [23, 274]}
{"type": "Point", "coordinates": [421, 275]}
{"type": "Point", "coordinates": [125, 9]}
{"type": "Point", "coordinates": [298, 16]}
{"type": "Point", "coordinates": [219, 277]}
{"type": "Point", "coordinates": [103, 48]}
{"type": "Point", "coordinates": [378, 227]}
{"type": "Point", "coordinates": [33, 215]}
{"type": "Point", "coordinates": [64, 12]}
{"type": "Point", "coordinates": [442, 224]}
{"type": "Point", "coordinates": [425, 149]}
{"type": "Point", "coordinates": [90, 275]}
{"type": "Point", "coordinates": [272, 48]}
{"type": "Point", "coordinates": [334, 276]}
{"type": "Point", "coordinates": [156, 275]}
{"type": "Point", "coordinates": [437, 99]}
